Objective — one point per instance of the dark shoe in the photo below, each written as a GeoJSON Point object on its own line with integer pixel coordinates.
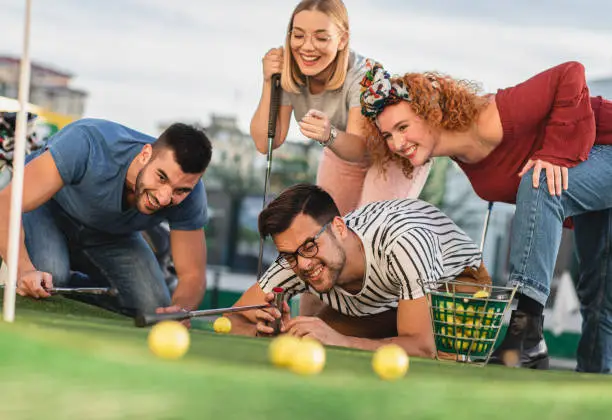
{"type": "Point", "coordinates": [523, 345]}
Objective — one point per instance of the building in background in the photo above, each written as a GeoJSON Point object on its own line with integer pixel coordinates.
{"type": "Point", "coordinates": [49, 88]}
{"type": "Point", "coordinates": [235, 163]}
{"type": "Point", "coordinates": [52, 98]}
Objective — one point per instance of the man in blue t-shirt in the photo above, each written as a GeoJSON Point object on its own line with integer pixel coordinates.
{"type": "Point", "coordinates": [87, 195]}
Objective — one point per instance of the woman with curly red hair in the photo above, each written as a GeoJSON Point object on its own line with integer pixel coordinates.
{"type": "Point", "coordinates": [544, 145]}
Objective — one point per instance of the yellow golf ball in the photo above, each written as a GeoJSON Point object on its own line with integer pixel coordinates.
{"type": "Point", "coordinates": [309, 358]}
{"type": "Point", "coordinates": [390, 362]}
{"type": "Point", "coordinates": [481, 294]}
{"type": "Point", "coordinates": [282, 349]}
{"type": "Point", "coordinates": [169, 340]}
{"type": "Point", "coordinates": [222, 325]}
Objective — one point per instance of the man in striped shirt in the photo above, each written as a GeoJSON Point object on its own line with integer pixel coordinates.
{"type": "Point", "coordinates": [361, 277]}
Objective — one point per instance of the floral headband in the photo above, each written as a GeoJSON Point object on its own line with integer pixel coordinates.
{"type": "Point", "coordinates": [377, 91]}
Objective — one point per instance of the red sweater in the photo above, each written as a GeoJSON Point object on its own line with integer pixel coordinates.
{"type": "Point", "coordinates": [549, 117]}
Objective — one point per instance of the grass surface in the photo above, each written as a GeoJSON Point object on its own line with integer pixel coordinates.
{"type": "Point", "coordinates": [65, 360]}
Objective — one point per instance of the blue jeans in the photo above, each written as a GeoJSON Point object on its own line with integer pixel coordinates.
{"type": "Point", "coordinates": [536, 236]}
{"type": "Point", "coordinates": [5, 176]}
{"type": "Point", "coordinates": [77, 256]}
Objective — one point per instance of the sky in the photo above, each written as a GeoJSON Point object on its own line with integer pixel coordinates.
{"type": "Point", "coordinates": [146, 62]}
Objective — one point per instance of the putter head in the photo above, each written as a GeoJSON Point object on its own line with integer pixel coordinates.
{"type": "Point", "coordinates": [113, 292]}
{"type": "Point", "coordinates": [140, 321]}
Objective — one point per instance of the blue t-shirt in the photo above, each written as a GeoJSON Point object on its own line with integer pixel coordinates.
{"type": "Point", "coordinates": [92, 157]}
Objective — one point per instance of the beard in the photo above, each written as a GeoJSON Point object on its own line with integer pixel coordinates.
{"type": "Point", "coordinates": [143, 197]}
{"type": "Point", "coordinates": [331, 268]}
{"type": "Point", "coordinates": [138, 187]}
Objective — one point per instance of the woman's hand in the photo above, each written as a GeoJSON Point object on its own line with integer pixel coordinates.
{"type": "Point", "coordinates": [316, 126]}
{"type": "Point", "coordinates": [556, 176]}
{"type": "Point", "coordinates": [272, 63]}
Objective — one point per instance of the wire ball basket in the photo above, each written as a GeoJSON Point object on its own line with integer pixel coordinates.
{"type": "Point", "coordinates": [467, 318]}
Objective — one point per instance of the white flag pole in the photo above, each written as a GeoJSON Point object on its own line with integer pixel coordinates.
{"type": "Point", "coordinates": [18, 167]}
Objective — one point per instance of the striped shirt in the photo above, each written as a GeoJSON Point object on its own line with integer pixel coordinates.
{"type": "Point", "coordinates": [407, 243]}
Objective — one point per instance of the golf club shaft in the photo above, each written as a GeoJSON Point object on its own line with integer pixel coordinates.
{"type": "Point", "coordinates": [150, 319]}
{"type": "Point", "coordinates": [82, 290]}
{"type": "Point", "coordinates": [85, 290]}
{"type": "Point", "coordinates": [486, 226]}
{"type": "Point", "coordinates": [274, 106]}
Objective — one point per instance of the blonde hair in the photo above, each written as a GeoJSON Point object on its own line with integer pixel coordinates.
{"type": "Point", "coordinates": [291, 77]}
{"type": "Point", "coordinates": [441, 101]}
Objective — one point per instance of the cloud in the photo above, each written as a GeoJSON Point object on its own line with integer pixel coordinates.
{"type": "Point", "coordinates": [149, 61]}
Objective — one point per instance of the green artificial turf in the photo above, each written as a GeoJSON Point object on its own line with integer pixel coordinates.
{"type": "Point", "coordinates": [65, 360]}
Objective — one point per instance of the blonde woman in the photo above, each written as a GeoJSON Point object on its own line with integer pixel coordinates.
{"type": "Point", "coordinates": [320, 78]}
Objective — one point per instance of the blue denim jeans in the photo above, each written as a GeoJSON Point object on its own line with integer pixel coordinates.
{"type": "Point", "coordinates": [77, 256]}
{"type": "Point", "coordinates": [536, 236]}
{"type": "Point", "coordinates": [5, 176]}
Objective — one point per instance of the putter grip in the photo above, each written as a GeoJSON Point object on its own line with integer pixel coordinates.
{"type": "Point", "coordinates": [279, 297]}
{"type": "Point", "coordinates": [143, 320]}
{"type": "Point", "coordinates": [274, 104]}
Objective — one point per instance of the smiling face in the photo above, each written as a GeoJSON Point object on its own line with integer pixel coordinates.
{"type": "Point", "coordinates": [315, 41]}
{"type": "Point", "coordinates": [161, 183]}
{"type": "Point", "coordinates": [406, 134]}
{"type": "Point", "coordinates": [323, 269]}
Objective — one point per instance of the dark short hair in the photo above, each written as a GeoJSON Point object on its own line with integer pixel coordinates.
{"type": "Point", "coordinates": [191, 146]}
{"type": "Point", "coordinates": [307, 199]}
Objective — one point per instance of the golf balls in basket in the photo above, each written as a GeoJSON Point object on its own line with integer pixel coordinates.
{"type": "Point", "coordinates": [481, 294]}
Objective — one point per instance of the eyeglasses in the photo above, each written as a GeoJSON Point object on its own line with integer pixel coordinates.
{"type": "Point", "coordinates": [308, 249]}
{"type": "Point", "coordinates": [319, 40]}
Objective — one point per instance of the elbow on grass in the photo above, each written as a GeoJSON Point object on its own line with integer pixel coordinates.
{"type": "Point", "coordinates": [427, 351]}
{"type": "Point", "coordinates": [424, 350]}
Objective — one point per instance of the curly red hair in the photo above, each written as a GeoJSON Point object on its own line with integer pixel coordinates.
{"type": "Point", "coordinates": [441, 101]}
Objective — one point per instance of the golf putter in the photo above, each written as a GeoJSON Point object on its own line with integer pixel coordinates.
{"type": "Point", "coordinates": [485, 227]}
{"type": "Point", "coordinates": [110, 291]}
{"type": "Point", "coordinates": [144, 320]}
{"type": "Point", "coordinates": [274, 106]}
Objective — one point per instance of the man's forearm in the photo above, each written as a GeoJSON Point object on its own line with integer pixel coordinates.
{"type": "Point", "coordinates": [190, 292]}
{"type": "Point", "coordinates": [414, 346]}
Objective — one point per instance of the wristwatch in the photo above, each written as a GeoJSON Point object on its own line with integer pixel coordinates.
{"type": "Point", "coordinates": [333, 133]}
